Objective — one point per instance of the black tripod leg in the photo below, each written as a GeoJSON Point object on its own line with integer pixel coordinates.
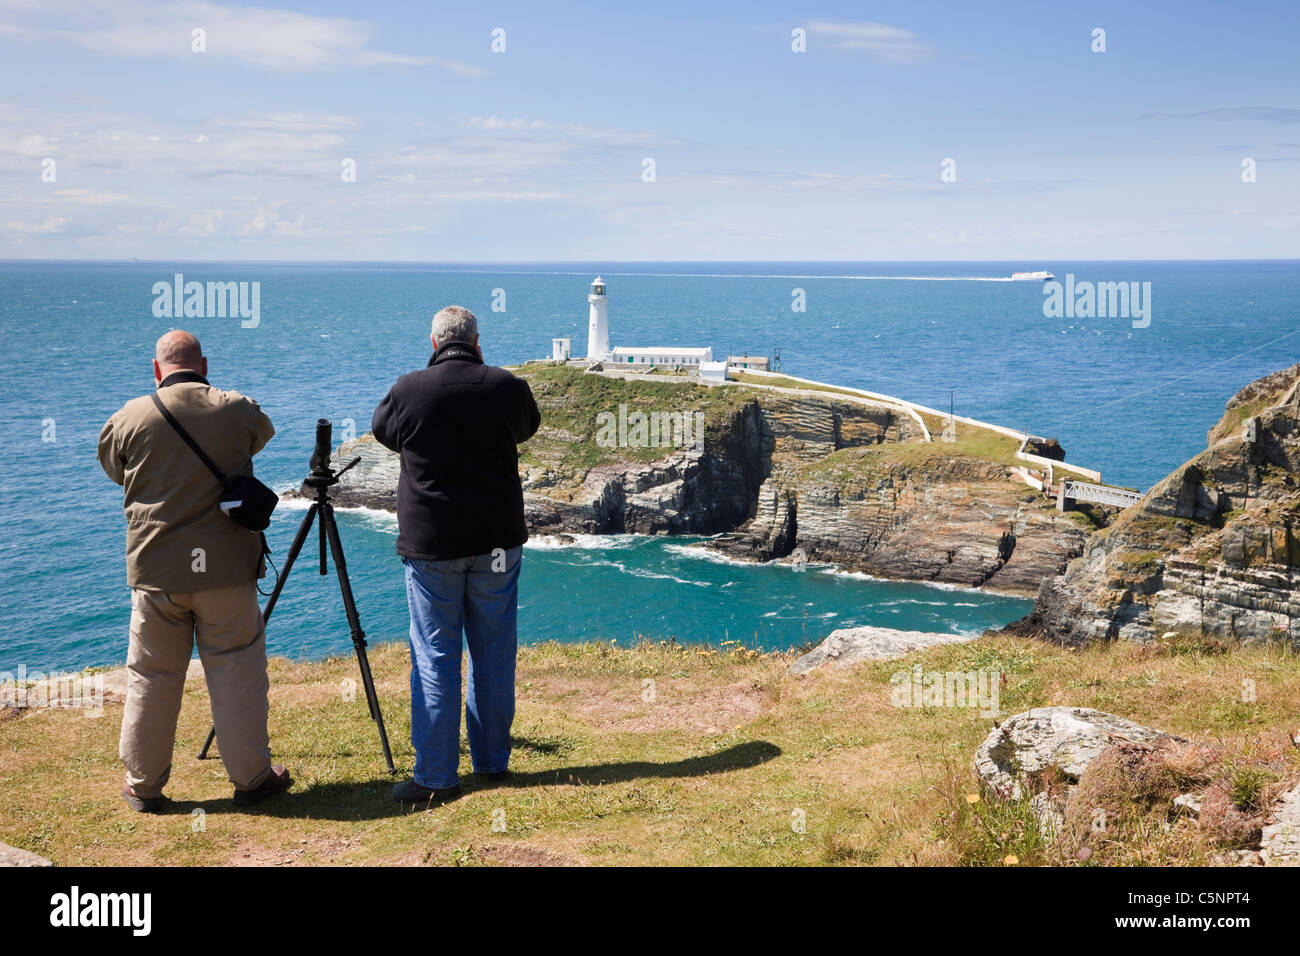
{"type": "Point", "coordinates": [212, 735]}
{"type": "Point", "coordinates": [354, 621]}
{"type": "Point", "coordinates": [298, 539]}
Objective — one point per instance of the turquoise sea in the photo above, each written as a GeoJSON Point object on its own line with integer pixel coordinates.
{"type": "Point", "coordinates": [77, 338]}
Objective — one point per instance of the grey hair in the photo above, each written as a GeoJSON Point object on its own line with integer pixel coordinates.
{"type": "Point", "coordinates": [455, 324]}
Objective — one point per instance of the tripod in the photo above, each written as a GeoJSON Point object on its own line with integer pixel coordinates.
{"type": "Point", "coordinates": [321, 479]}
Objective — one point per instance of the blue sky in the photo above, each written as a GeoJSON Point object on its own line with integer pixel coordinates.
{"type": "Point", "coordinates": [760, 153]}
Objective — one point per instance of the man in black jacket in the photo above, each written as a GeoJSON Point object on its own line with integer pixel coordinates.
{"type": "Point", "coordinates": [460, 531]}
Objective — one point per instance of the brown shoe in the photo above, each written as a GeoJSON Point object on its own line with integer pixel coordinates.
{"type": "Point", "coordinates": [278, 782]}
{"type": "Point", "coordinates": [141, 804]}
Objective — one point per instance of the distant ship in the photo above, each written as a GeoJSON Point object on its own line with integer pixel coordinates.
{"type": "Point", "coordinates": [1019, 276]}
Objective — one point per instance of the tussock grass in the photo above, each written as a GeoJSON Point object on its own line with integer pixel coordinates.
{"type": "Point", "coordinates": [716, 766]}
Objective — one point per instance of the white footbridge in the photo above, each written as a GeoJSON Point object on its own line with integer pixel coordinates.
{"type": "Point", "coordinates": [1101, 494]}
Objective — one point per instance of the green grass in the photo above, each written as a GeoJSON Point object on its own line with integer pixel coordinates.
{"type": "Point", "coordinates": [716, 769]}
{"type": "Point", "coordinates": [573, 402]}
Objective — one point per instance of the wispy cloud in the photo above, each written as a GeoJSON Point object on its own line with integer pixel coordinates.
{"type": "Point", "coordinates": [258, 36]}
{"type": "Point", "coordinates": [292, 122]}
{"type": "Point", "coordinates": [1268, 114]}
{"type": "Point", "coordinates": [877, 40]}
{"type": "Point", "coordinates": [50, 225]}
{"type": "Point", "coordinates": [157, 152]}
{"type": "Point", "coordinates": [500, 124]}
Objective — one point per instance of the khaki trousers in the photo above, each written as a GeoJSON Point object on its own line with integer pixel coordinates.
{"type": "Point", "coordinates": [227, 625]}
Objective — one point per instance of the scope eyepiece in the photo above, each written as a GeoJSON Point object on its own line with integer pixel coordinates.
{"type": "Point", "coordinates": [320, 457]}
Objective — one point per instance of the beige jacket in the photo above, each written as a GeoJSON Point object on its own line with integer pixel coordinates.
{"type": "Point", "coordinates": [177, 537]}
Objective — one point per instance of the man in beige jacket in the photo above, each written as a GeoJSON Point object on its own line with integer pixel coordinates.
{"type": "Point", "coordinates": [193, 575]}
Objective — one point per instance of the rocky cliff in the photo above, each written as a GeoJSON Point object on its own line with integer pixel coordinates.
{"type": "Point", "coordinates": [1210, 552]}
{"type": "Point", "coordinates": [814, 475]}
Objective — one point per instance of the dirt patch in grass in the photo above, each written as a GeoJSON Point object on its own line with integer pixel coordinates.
{"type": "Point", "coordinates": [308, 851]}
{"type": "Point", "coordinates": [630, 704]}
{"type": "Point", "coordinates": [520, 854]}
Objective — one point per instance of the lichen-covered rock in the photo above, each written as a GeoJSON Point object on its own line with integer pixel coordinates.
{"type": "Point", "coordinates": [849, 645]}
{"type": "Point", "coordinates": [1063, 739]}
{"type": "Point", "coordinates": [12, 856]}
{"type": "Point", "coordinates": [1280, 843]}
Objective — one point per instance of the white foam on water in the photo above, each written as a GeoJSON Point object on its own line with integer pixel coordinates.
{"type": "Point", "coordinates": [855, 575]}
{"type": "Point", "coordinates": [701, 553]}
{"type": "Point", "coordinates": [919, 603]}
{"type": "Point", "coordinates": [644, 573]}
{"type": "Point", "coordinates": [378, 518]}
{"type": "Point", "coordinates": [583, 542]}
{"type": "Point", "coordinates": [937, 585]}
{"type": "Point", "coordinates": [656, 576]}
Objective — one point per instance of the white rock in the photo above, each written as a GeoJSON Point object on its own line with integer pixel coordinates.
{"type": "Point", "coordinates": [1188, 802]}
{"type": "Point", "coordinates": [12, 856]}
{"type": "Point", "coordinates": [1064, 737]}
{"type": "Point", "coordinates": [848, 645]}
{"type": "Point", "coordinates": [1280, 842]}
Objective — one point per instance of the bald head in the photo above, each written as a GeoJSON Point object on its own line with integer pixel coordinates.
{"type": "Point", "coordinates": [178, 351]}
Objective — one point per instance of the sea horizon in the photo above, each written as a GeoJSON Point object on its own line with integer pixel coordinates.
{"type": "Point", "coordinates": [271, 260]}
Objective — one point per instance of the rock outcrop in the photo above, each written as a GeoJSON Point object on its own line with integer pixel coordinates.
{"type": "Point", "coordinates": [1093, 779]}
{"type": "Point", "coordinates": [952, 519]}
{"type": "Point", "coordinates": [1211, 551]}
{"type": "Point", "coordinates": [849, 645]}
{"type": "Point", "coordinates": [813, 475]}
{"type": "Point", "coordinates": [1280, 843]}
{"type": "Point", "coordinates": [1064, 739]}
{"type": "Point", "coordinates": [12, 856]}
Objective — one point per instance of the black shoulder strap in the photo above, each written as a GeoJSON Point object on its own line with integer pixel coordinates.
{"type": "Point", "coordinates": [171, 420]}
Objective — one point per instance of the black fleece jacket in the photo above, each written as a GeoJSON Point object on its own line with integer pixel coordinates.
{"type": "Point", "coordinates": [456, 425]}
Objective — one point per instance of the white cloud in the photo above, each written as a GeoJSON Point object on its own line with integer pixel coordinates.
{"type": "Point", "coordinates": [877, 40]}
{"type": "Point", "coordinates": [279, 146]}
{"type": "Point", "coordinates": [50, 225]}
{"type": "Point", "coordinates": [292, 122]}
{"type": "Point", "coordinates": [268, 221]}
{"type": "Point", "coordinates": [33, 144]}
{"type": "Point", "coordinates": [1267, 114]}
{"type": "Point", "coordinates": [258, 36]}
{"type": "Point", "coordinates": [500, 124]}
{"type": "Point", "coordinates": [568, 130]}
{"type": "Point", "coordinates": [88, 197]}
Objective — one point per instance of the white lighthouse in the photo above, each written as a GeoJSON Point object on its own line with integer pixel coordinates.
{"type": "Point", "coordinates": [598, 322]}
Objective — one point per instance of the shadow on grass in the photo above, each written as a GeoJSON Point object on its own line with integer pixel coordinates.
{"type": "Point", "coordinates": [372, 799]}
{"type": "Point", "coordinates": [740, 757]}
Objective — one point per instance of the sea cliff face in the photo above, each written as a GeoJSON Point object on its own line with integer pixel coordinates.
{"type": "Point", "coordinates": [1210, 552]}
{"type": "Point", "coordinates": [803, 475]}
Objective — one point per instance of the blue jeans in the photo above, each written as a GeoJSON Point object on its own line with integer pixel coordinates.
{"type": "Point", "coordinates": [480, 595]}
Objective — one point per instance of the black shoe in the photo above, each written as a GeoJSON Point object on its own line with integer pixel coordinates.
{"type": "Point", "coordinates": [278, 782]}
{"type": "Point", "coordinates": [412, 792]}
{"type": "Point", "coordinates": [500, 776]}
{"type": "Point", "coordinates": [142, 804]}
